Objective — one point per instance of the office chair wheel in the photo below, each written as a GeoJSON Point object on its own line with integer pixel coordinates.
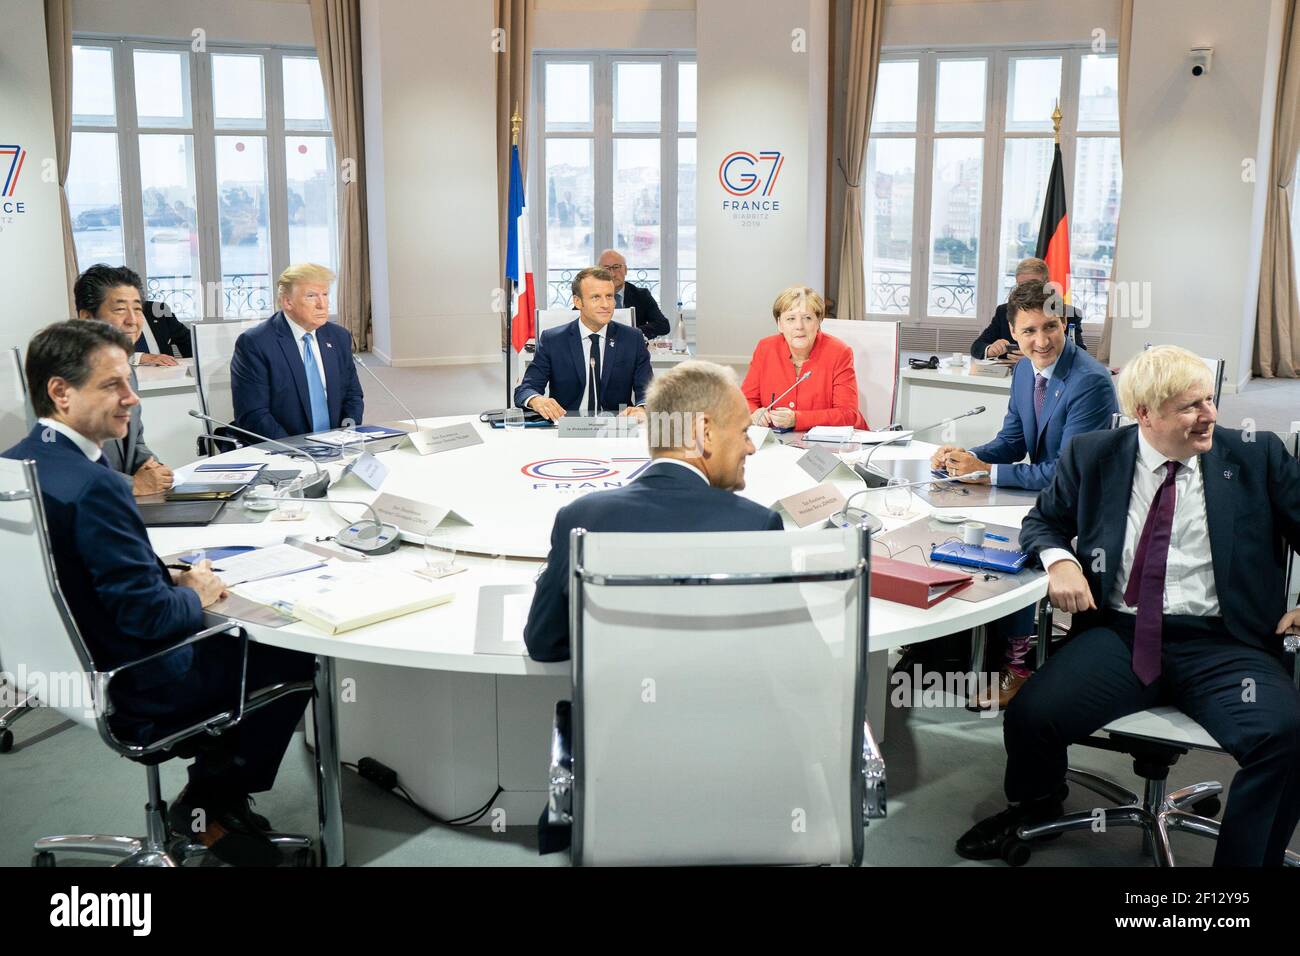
{"type": "Point", "coordinates": [1015, 851]}
{"type": "Point", "coordinates": [1209, 807]}
{"type": "Point", "coordinates": [6, 741]}
{"type": "Point", "coordinates": [43, 859]}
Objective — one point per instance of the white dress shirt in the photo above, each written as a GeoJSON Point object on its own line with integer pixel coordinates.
{"type": "Point", "coordinates": [1189, 571]}
{"type": "Point", "coordinates": [1047, 374]}
{"type": "Point", "coordinates": [683, 464]}
{"type": "Point", "coordinates": [586, 362]}
{"type": "Point", "coordinates": [87, 447]}
{"type": "Point", "coordinates": [297, 331]}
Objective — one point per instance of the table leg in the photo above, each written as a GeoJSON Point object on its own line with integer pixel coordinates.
{"type": "Point", "coordinates": [329, 795]}
{"type": "Point", "coordinates": [978, 640]}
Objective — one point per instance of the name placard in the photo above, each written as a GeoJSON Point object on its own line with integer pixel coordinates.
{"type": "Point", "coordinates": [759, 434]}
{"type": "Point", "coordinates": [368, 468]}
{"type": "Point", "coordinates": [579, 426]}
{"type": "Point", "coordinates": [411, 515]}
{"type": "Point", "coordinates": [818, 463]}
{"type": "Point", "coordinates": [814, 505]}
{"type": "Point", "coordinates": [430, 441]}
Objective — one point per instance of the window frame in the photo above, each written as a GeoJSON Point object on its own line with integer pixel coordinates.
{"type": "Point", "coordinates": [602, 137]}
{"type": "Point", "coordinates": [995, 136]}
{"type": "Point", "coordinates": [204, 131]}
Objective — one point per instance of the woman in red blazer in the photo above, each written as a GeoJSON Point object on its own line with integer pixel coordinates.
{"type": "Point", "coordinates": [829, 396]}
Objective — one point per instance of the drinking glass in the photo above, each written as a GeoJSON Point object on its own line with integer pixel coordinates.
{"type": "Point", "coordinates": [514, 420]}
{"type": "Point", "coordinates": [439, 552]}
{"type": "Point", "coordinates": [289, 492]}
{"type": "Point", "coordinates": [897, 499]}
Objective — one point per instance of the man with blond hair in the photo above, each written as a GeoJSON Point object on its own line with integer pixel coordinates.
{"type": "Point", "coordinates": [1176, 587]}
{"type": "Point", "coordinates": [699, 440]}
{"type": "Point", "coordinates": [293, 374]}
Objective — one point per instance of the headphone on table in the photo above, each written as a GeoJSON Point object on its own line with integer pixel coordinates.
{"type": "Point", "coordinates": [931, 362]}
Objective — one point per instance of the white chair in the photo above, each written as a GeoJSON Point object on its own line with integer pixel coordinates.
{"type": "Point", "coordinates": [1155, 739]}
{"type": "Point", "coordinates": [43, 648]}
{"type": "Point", "coordinates": [875, 361]}
{"type": "Point", "coordinates": [214, 344]}
{"type": "Point", "coordinates": [719, 700]}
{"type": "Point", "coordinates": [1216, 366]}
{"type": "Point", "coordinates": [548, 319]}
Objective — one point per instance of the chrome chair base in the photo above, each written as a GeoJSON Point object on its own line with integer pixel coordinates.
{"type": "Point", "coordinates": [1156, 813]}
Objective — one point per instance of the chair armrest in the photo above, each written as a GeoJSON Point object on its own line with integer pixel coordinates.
{"type": "Point", "coordinates": [559, 805]}
{"type": "Point", "coordinates": [1291, 645]}
{"type": "Point", "coordinates": [873, 777]}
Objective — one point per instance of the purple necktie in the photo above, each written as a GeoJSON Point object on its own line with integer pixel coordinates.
{"type": "Point", "coordinates": [1146, 580]}
{"type": "Point", "coordinates": [1040, 396]}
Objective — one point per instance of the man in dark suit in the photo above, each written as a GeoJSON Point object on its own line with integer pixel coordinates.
{"type": "Point", "coordinates": [649, 318]}
{"type": "Point", "coordinates": [689, 485]}
{"type": "Point", "coordinates": [1059, 392]}
{"type": "Point", "coordinates": [1177, 589]}
{"type": "Point", "coordinates": [127, 605]}
{"type": "Point", "coordinates": [116, 295]}
{"type": "Point", "coordinates": [996, 341]}
{"type": "Point", "coordinates": [589, 365]}
{"type": "Point", "coordinates": [293, 374]}
{"type": "Point", "coordinates": [163, 333]}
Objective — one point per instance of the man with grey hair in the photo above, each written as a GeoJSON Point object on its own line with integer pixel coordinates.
{"type": "Point", "coordinates": [650, 319]}
{"type": "Point", "coordinates": [1176, 587]}
{"type": "Point", "coordinates": [699, 440]}
{"type": "Point", "coordinates": [996, 340]}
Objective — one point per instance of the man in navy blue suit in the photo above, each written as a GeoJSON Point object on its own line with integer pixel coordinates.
{"type": "Point", "coordinates": [1177, 589]}
{"type": "Point", "coordinates": [589, 365]}
{"type": "Point", "coordinates": [127, 605]}
{"type": "Point", "coordinates": [294, 373]}
{"type": "Point", "coordinates": [1060, 392]}
{"type": "Point", "coordinates": [687, 487]}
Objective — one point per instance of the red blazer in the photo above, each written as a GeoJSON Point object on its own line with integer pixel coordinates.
{"type": "Point", "coordinates": [828, 397]}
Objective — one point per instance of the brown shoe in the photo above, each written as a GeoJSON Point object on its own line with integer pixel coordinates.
{"type": "Point", "coordinates": [1009, 684]}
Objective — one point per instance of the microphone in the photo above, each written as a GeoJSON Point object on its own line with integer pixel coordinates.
{"type": "Point", "coordinates": [842, 519]}
{"type": "Point", "coordinates": [313, 488]}
{"type": "Point", "coordinates": [875, 479]}
{"type": "Point", "coordinates": [801, 378]}
{"type": "Point", "coordinates": [369, 371]}
{"type": "Point", "coordinates": [367, 536]}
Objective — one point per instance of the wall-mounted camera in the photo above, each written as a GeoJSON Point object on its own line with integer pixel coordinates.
{"type": "Point", "coordinates": [1201, 57]}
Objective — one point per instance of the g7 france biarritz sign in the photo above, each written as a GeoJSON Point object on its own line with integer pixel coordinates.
{"type": "Point", "coordinates": [12, 158]}
{"type": "Point", "coordinates": [749, 181]}
{"type": "Point", "coordinates": [574, 475]}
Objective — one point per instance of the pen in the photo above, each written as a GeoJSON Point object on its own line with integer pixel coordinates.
{"type": "Point", "coordinates": [190, 567]}
{"type": "Point", "coordinates": [996, 537]}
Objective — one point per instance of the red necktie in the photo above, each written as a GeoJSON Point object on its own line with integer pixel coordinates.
{"type": "Point", "coordinates": [1146, 580]}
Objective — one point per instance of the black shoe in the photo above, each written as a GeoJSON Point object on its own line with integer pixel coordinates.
{"type": "Point", "coordinates": [985, 840]}
{"type": "Point", "coordinates": [239, 813]}
{"type": "Point", "coordinates": [224, 826]}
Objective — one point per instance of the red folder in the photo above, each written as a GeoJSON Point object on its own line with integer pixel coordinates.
{"type": "Point", "coordinates": [914, 584]}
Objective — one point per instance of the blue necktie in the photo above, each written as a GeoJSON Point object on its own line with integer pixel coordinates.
{"type": "Point", "coordinates": [320, 412]}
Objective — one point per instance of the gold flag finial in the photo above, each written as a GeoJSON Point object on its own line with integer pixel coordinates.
{"type": "Point", "coordinates": [1056, 121]}
{"type": "Point", "coordinates": [516, 121]}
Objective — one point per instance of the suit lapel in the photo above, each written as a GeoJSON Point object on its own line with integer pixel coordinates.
{"type": "Point", "coordinates": [284, 335]}
{"type": "Point", "coordinates": [578, 352]}
{"type": "Point", "coordinates": [330, 369]}
{"type": "Point", "coordinates": [1117, 470]}
{"type": "Point", "coordinates": [1221, 476]}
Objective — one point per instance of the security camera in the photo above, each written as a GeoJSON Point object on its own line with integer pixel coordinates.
{"type": "Point", "coordinates": [1201, 57]}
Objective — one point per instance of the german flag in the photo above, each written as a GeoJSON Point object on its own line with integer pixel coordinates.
{"type": "Point", "coordinates": [1054, 230]}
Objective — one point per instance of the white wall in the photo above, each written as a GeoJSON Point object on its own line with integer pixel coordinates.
{"type": "Point", "coordinates": [614, 24]}
{"type": "Point", "coordinates": [429, 79]}
{"type": "Point", "coordinates": [1189, 225]}
{"type": "Point", "coordinates": [245, 21]}
{"type": "Point", "coordinates": [756, 93]}
{"type": "Point", "coordinates": [997, 22]}
{"type": "Point", "coordinates": [31, 235]}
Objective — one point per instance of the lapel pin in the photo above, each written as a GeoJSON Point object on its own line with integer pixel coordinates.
{"type": "Point", "coordinates": [1227, 474]}
{"type": "Point", "coordinates": [329, 345]}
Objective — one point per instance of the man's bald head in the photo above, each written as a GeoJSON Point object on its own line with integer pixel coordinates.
{"type": "Point", "coordinates": [612, 261]}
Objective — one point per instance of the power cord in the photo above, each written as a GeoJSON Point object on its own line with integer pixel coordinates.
{"type": "Point", "coordinates": [385, 778]}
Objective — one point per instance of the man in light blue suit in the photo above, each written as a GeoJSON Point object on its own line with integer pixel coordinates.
{"type": "Point", "coordinates": [590, 365]}
{"type": "Point", "coordinates": [1057, 391]}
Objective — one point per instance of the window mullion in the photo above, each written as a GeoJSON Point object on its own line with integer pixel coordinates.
{"type": "Point", "coordinates": [926, 91]}
{"type": "Point", "coordinates": [603, 155]}
{"type": "Point", "coordinates": [537, 177]}
{"type": "Point", "coordinates": [986, 268]}
{"type": "Point", "coordinates": [129, 156]}
{"type": "Point", "coordinates": [205, 183]}
{"type": "Point", "coordinates": [277, 175]}
{"type": "Point", "coordinates": [668, 176]}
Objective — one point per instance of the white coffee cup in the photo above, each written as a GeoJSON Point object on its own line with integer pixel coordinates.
{"type": "Point", "coordinates": [972, 532]}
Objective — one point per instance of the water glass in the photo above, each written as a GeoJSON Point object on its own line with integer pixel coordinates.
{"type": "Point", "coordinates": [289, 493]}
{"type": "Point", "coordinates": [897, 499]}
{"type": "Point", "coordinates": [439, 552]}
{"type": "Point", "coordinates": [514, 420]}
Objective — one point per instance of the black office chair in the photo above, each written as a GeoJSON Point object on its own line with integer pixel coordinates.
{"type": "Point", "coordinates": [42, 639]}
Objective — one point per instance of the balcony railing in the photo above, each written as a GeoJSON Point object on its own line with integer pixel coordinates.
{"type": "Point", "coordinates": [955, 294]}
{"type": "Point", "coordinates": [244, 296]}
{"type": "Point", "coordinates": [559, 287]}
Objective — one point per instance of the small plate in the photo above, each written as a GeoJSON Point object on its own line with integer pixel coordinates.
{"type": "Point", "coordinates": [950, 518]}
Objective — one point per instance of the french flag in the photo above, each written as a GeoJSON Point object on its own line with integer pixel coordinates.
{"type": "Point", "coordinates": [519, 263]}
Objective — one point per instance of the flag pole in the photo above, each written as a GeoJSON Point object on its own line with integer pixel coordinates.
{"type": "Point", "coordinates": [516, 121]}
{"type": "Point", "coordinates": [1056, 121]}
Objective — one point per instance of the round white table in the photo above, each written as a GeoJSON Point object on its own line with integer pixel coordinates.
{"type": "Point", "coordinates": [448, 696]}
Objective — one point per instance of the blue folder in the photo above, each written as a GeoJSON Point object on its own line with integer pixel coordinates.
{"type": "Point", "coordinates": [982, 557]}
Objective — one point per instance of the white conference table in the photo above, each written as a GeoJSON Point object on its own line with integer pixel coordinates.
{"type": "Point", "coordinates": [421, 694]}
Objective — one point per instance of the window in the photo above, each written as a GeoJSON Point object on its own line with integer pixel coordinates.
{"type": "Point", "coordinates": [957, 165]}
{"type": "Point", "coordinates": [207, 173]}
{"type": "Point", "coordinates": [616, 165]}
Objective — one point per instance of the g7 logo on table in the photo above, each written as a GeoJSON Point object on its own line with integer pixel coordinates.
{"type": "Point", "coordinates": [571, 473]}
{"type": "Point", "coordinates": [740, 174]}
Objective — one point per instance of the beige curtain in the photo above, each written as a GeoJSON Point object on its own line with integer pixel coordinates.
{"type": "Point", "coordinates": [864, 60]}
{"type": "Point", "coordinates": [514, 50]}
{"type": "Point", "coordinates": [1125, 46]}
{"type": "Point", "coordinates": [336, 26]}
{"type": "Point", "coordinates": [58, 42]}
{"type": "Point", "coordinates": [1277, 323]}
